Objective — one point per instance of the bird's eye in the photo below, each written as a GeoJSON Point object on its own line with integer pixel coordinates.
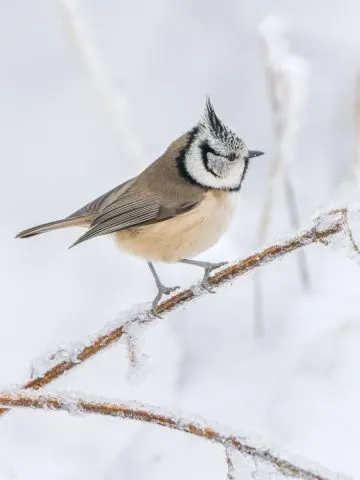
{"type": "Point", "coordinates": [231, 156]}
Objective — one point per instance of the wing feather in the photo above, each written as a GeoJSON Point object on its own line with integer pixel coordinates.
{"type": "Point", "coordinates": [95, 206]}
{"type": "Point", "coordinates": [129, 210]}
{"type": "Point", "coordinates": [127, 204]}
{"type": "Point", "coordinates": [123, 213]}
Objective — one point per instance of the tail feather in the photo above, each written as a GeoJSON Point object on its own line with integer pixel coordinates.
{"type": "Point", "coordinates": [47, 227]}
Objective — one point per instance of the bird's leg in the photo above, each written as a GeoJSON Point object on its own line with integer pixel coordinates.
{"type": "Point", "coordinates": [162, 290]}
{"type": "Point", "coordinates": [208, 267]}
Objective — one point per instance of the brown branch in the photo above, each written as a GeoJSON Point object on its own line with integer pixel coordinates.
{"type": "Point", "coordinates": [148, 414]}
{"type": "Point", "coordinates": [314, 234]}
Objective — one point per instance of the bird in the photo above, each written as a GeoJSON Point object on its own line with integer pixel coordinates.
{"type": "Point", "coordinates": [177, 207]}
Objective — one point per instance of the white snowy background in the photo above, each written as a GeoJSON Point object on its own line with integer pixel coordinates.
{"type": "Point", "coordinates": [299, 386]}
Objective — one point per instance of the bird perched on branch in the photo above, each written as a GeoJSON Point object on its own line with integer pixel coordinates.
{"type": "Point", "coordinates": [178, 207]}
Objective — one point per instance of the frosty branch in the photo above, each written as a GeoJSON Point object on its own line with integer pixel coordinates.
{"type": "Point", "coordinates": [229, 464]}
{"type": "Point", "coordinates": [150, 414]}
{"type": "Point", "coordinates": [324, 229]}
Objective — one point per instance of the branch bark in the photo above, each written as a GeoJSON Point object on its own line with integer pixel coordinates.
{"type": "Point", "coordinates": [149, 414]}
{"type": "Point", "coordinates": [317, 233]}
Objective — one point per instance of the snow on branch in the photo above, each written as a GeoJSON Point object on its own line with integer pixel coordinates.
{"type": "Point", "coordinates": [281, 462]}
{"type": "Point", "coordinates": [114, 99]}
{"type": "Point", "coordinates": [137, 359]}
{"type": "Point", "coordinates": [331, 228]}
{"type": "Point", "coordinates": [229, 463]}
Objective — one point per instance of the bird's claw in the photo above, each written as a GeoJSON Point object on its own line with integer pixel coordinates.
{"type": "Point", "coordinates": [162, 290]}
{"type": "Point", "coordinates": [209, 267]}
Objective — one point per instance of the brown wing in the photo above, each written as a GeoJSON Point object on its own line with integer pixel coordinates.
{"type": "Point", "coordinates": [158, 193]}
{"type": "Point", "coordinates": [129, 210]}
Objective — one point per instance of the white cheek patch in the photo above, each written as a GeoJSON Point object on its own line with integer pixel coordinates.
{"type": "Point", "coordinates": [220, 166]}
{"type": "Point", "coordinates": [232, 173]}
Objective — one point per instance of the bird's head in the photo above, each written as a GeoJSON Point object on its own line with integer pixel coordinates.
{"type": "Point", "coordinates": [215, 156]}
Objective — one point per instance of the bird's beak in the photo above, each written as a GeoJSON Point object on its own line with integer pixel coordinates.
{"type": "Point", "coordinates": [255, 153]}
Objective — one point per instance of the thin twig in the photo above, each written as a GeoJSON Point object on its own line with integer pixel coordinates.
{"type": "Point", "coordinates": [115, 100]}
{"type": "Point", "coordinates": [357, 132]}
{"type": "Point", "coordinates": [131, 349]}
{"type": "Point", "coordinates": [283, 96]}
{"type": "Point", "coordinates": [349, 232]}
{"type": "Point", "coordinates": [149, 414]}
{"type": "Point", "coordinates": [258, 302]}
{"type": "Point", "coordinates": [230, 466]}
{"type": "Point", "coordinates": [312, 235]}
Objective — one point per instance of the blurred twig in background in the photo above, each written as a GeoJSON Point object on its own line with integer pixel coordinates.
{"type": "Point", "coordinates": [154, 415]}
{"type": "Point", "coordinates": [324, 229]}
{"type": "Point", "coordinates": [357, 133]}
{"type": "Point", "coordinates": [230, 465]}
{"type": "Point", "coordinates": [115, 100]}
{"type": "Point", "coordinates": [287, 77]}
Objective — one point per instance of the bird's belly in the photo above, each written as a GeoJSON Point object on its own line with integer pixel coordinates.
{"type": "Point", "coordinates": [183, 236]}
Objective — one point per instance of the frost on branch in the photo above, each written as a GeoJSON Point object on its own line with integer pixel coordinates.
{"type": "Point", "coordinates": [336, 227]}
{"type": "Point", "coordinates": [231, 471]}
{"type": "Point", "coordinates": [73, 353]}
{"type": "Point", "coordinates": [41, 365]}
{"type": "Point", "coordinates": [243, 467]}
{"type": "Point", "coordinates": [138, 366]}
{"type": "Point", "coordinates": [262, 462]}
{"type": "Point", "coordinates": [344, 241]}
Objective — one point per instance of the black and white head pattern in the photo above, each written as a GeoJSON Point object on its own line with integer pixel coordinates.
{"type": "Point", "coordinates": [215, 156]}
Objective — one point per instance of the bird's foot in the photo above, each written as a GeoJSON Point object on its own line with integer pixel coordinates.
{"type": "Point", "coordinates": [162, 290]}
{"type": "Point", "coordinates": [209, 267]}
